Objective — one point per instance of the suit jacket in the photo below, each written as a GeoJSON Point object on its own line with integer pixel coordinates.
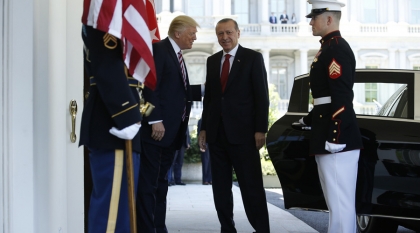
{"type": "Point", "coordinates": [244, 103]}
{"type": "Point", "coordinates": [169, 98]}
{"type": "Point", "coordinates": [284, 18]}
{"type": "Point", "coordinates": [273, 19]}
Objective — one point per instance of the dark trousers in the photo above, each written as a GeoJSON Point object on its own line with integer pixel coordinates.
{"type": "Point", "coordinates": [153, 188]}
{"type": "Point", "coordinates": [206, 165]}
{"type": "Point", "coordinates": [108, 209]}
{"type": "Point", "coordinates": [245, 159]}
{"type": "Point", "coordinates": [175, 171]}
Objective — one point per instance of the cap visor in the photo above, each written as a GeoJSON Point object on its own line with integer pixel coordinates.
{"type": "Point", "coordinates": [312, 14]}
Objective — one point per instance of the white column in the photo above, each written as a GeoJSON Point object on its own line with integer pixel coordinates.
{"type": "Point", "coordinates": [17, 134]}
{"type": "Point", "coordinates": [178, 6]}
{"type": "Point", "coordinates": [402, 9]}
{"type": "Point", "coordinates": [166, 5]}
{"type": "Point", "coordinates": [264, 13]}
{"type": "Point", "coordinates": [353, 10]}
{"type": "Point", "coordinates": [303, 61]}
{"type": "Point", "coordinates": [303, 12]}
{"type": "Point", "coordinates": [344, 11]}
{"type": "Point", "coordinates": [227, 7]}
{"type": "Point", "coordinates": [403, 58]}
{"type": "Point", "coordinates": [208, 8]}
{"type": "Point", "coordinates": [57, 119]}
{"type": "Point", "coordinates": [266, 56]}
{"type": "Point", "coordinates": [216, 7]}
{"type": "Point", "coordinates": [391, 52]}
{"type": "Point", "coordinates": [391, 10]}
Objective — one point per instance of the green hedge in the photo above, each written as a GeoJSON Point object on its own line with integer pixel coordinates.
{"type": "Point", "coordinates": [193, 155]}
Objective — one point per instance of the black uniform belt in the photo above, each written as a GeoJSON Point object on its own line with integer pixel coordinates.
{"type": "Point", "coordinates": [131, 82]}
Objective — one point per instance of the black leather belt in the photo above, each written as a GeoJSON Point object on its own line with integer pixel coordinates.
{"type": "Point", "coordinates": [132, 82]}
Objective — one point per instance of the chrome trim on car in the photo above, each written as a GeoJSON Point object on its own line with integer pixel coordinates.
{"type": "Point", "coordinates": [387, 216]}
{"type": "Point", "coordinates": [417, 96]}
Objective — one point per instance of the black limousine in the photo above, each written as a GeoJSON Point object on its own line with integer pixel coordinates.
{"type": "Point", "coordinates": [388, 184]}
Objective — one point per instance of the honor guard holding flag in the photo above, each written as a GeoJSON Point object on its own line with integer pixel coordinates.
{"type": "Point", "coordinates": [115, 63]}
{"type": "Point", "coordinates": [335, 136]}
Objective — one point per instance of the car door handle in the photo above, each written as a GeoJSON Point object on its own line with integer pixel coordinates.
{"type": "Point", "coordinates": [298, 126]}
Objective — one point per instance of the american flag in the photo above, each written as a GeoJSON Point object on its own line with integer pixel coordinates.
{"type": "Point", "coordinates": [134, 22]}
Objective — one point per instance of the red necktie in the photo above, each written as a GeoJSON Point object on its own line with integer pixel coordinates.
{"type": "Point", "coordinates": [225, 72]}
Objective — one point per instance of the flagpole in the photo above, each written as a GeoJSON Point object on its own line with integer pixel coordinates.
{"type": "Point", "coordinates": [130, 183]}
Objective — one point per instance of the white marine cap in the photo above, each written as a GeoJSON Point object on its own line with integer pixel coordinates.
{"type": "Point", "coordinates": [321, 6]}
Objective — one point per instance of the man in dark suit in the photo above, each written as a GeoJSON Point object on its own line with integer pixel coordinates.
{"type": "Point", "coordinates": [235, 120]}
{"type": "Point", "coordinates": [175, 171]}
{"type": "Point", "coordinates": [163, 130]}
{"type": "Point", "coordinates": [284, 18]}
{"type": "Point", "coordinates": [273, 18]}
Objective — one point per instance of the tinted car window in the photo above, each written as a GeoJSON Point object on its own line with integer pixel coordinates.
{"type": "Point", "coordinates": [396, 106]}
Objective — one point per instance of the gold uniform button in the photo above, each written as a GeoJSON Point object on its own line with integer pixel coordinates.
{"type": "Point", "coordinates": [336, 123]}
{"type": "Point", "coordinates": [333, 139]}
{"type": "Point", "coordinates": [335, 131]}
{"type": "Point", "coordinates": [320, 116]}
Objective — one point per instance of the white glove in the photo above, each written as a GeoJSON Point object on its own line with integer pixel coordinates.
{"type": "Point", "coordinates": [301, 121]}
{"type": "Point", "coordinates": [127, 133]}
{"type": "Point", "coordinates": [334, 148]}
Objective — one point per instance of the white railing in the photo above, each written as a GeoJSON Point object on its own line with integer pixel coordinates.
{"type": "Point", "coordinates": [251, 29]}
{"type": "Point", "coordinates": [373, 28]}
{"type": "Point", "coordinates": [414, 29]}
{"type": "Point", "coordinates": [284, 29]}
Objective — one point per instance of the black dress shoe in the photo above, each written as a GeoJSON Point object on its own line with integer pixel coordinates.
{"type": "Point", "coordinates": [206, 183]}
{"type": "Point", "coordinates": [180, 183]}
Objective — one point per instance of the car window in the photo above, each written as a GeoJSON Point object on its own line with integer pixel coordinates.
{"type": "Point", "coordinates": [396, 105]}
{"type": "Point", "coordinates": [379, 99]}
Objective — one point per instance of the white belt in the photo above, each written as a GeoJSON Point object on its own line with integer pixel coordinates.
{"type": "Point", "coordinates": [322, 100]}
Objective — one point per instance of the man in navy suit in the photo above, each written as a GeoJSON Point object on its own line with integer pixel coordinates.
{"type": "Point", "coordinates": [273, 18]}
{"type": "Point", "coordinates": [234, 123]}
{"type": "Point", "coordinates": [163, 130]}
{"type": "Point", "coordinates": [284, 18]}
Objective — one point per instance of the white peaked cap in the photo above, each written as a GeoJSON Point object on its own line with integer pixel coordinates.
{"type": "Point", "coordinates": [321, 6]}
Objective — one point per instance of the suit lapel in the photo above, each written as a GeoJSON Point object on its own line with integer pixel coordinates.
{"type": "Point", "coordinates": [235, 66]}
{"type": "Point", "coordinates": [176, 61]}
{"type": "Point", "coordinates": [217, 66]}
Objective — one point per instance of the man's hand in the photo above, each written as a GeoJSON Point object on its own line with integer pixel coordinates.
{"type": "Point", "coordinates": [259, 140]}
{"type": "Point", "coordinates": [202, 141]}
{"type": "Point", "coordinates": [127, 133]}
{"type": "Point", "coordinates": [158, 131]}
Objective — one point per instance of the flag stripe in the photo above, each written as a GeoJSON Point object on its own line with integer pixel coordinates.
{"type": "Point", "coordinates": [131, 21]}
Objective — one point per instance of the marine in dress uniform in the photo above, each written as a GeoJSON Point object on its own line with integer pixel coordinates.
{"type": "Point", "coordinates": [335, 136]}
{"type": "Point", "coordinates": [112, 103]}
